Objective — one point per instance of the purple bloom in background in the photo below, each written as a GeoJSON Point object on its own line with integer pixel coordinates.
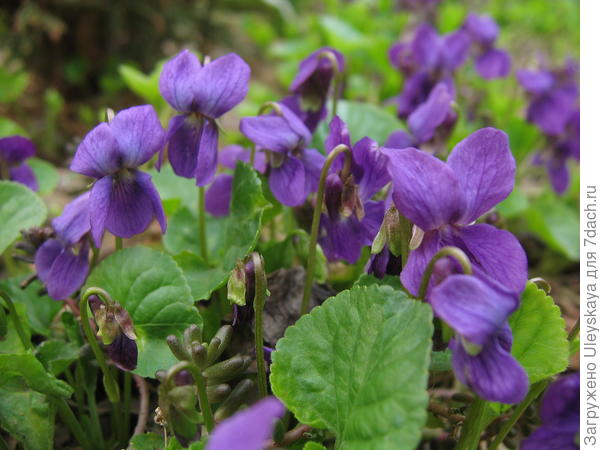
{"type": "Point", "coordinates": [62, 263]}
{"type": "Point", "coordinates": [352, 219]}
{"type": "Point", "coordinates": [202, 94]}
{"type": "Point", "coordinates": [554, 109]}
{"type": "Point", "coordinates": [445, 199]}
{"type": "Point", "coordinates": [293, 169]}
{"type": "Point", "coordinates": [14, 151]}
{"type": "Point", "coordinates": [425, 61]}
{"type": "Point", "coordinates": [560, 417]}
{"type": "Point", "coordinates": [248, 429]}
{"type": "Point", "coordinates": [218, 195]}
{"type": "Point", "coordinates": [491, 62]}
{"type": "Point", "coordinates": [123, 199]}
{"type": "Point", "coordinates": [312, 85]}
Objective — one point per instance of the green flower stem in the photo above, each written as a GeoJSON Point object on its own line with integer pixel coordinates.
{"type": "Point", "coordinates": [202, 222]}
{"type": "Point", "coordinates": [316, 220]}
{"type": "Point", "coordinates": [574, 331]}
{"type": "Point", "coordinates": [126, 405]}
{"type": "Point", "coordinates": [454, 252]}
{"type": "Point", "coordinates": [16, 322]}
{"type": "Point", "coordinates": [478, 417]}
{"type": "Point", "coordinates": [111, 386]}
{"type": "Point", "coordinates": [118, 243]}
{"type": "Point", "coordinates": [97, 428]}
{"type": "Point", "coordinates": [534, 392]}
{"type": "Point", "coordinates": [260, 289]}
{"type": "Point", "coordinates": [337, 79]}
{"type": "Point", "coordinates": [71, 422]}
{"type": "Point", "coordinates": [207, 414]}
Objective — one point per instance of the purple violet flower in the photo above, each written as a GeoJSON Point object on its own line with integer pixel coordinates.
{"type": "Point", "coordinates": [425, 61]}
{"type": "Point", "coordinates": [491, 62]}
{"type": "Point", "coordinates": [312, 86]}
{"type": "Point", "coordinates": [123, 199]}
{"type": "Point", "coordinates": [248, 429]}
{"type": "Point", "coordinates": [14, 150]}
{"type": "Point", "coordinates": [62, 263]}
{"type": "Point", "coordinates": [560, 417]}
{"type": "Point", "coordinates": [444, 200]}
{"type": "Point", "coordinates": [202, 94]}
{"type": "Point", "coordinates": [351, 219]}
{"type": "Point", "coordinates": [293, 169]}
{"type": "Point", "coordinates": [218, 195]}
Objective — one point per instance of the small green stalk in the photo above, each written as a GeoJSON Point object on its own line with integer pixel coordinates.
{"type": "Point", "coordinates": [111, 386]}
{"type": "Point", "coordinates": [478, 417]}
{"type": "Point", "coordinates": [534, 392]}
{"type": "Point", "coordinates": [118, 243]}
{"type": "Point", "coordinates": [16, 322]}
{"type": "Point", "coordinates": [71, 422]}
{"type": "Point", "coordinates": [126, 405]}
{"type": "Point", "coordinates": [316, 220]}
{"type": "Point", "coordinates": [454, 252]}
{"type": "Point", "coordinates": [202, 223]}
{"type": "Point", "coordinates": [260, 289]}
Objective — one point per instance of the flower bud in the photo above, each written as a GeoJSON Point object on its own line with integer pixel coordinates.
{"type": "Point", "coordinates": [238, 396]}
{"type": "Point", "coordinates": [177, 348]}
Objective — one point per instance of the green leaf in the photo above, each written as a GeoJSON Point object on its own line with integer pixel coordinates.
{"type": "Point", "coordinates": [363, 119]}
{"type": "Point", "coordinates": [12, 85]}
{"type": "Point", "coordinates": [539, 335]}
{"type": "Point", "coordinates": [514, 205]}
{"type": "Point", "coordinates": [371, 280]}
{"type": "Point", "coordinates": [147, 441]}
{"type": "Point", "coordinates": [145, 86]}
{"type": "Point", "coordinates": [151, 287]}
{"type": "Point", "coordinates": [556, 224]}
{"type": "Point", "coordinates": [20, 208]}
{"type": "Point", "coordinates": [174, 191]}
{"type": "Point", "coordinates": [363, 358]}
{"type": "Point", "coordinates": [40, 309]}
{"type": "Point", "coordinates": [27, 415]}
{"type": "Point", "coordinates": [311, 445]}
{"type": "Point", "coordinates": [57, 355]}
{"type": "Point", "coordinates": [33, 372]}
{"type": "Point", "coordinates": [11, 342]}
{"type": "Point", "coordinates": [10, 128]}
{"type": "Point", "coordinates": [229, 238]}
{"type": "Point", "coordinates": [45, 174]}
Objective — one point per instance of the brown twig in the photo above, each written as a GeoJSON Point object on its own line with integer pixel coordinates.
{"type": "Point", "coordinates": [440, 410]}
{"type": "Point", "coordinates": [140, 426]}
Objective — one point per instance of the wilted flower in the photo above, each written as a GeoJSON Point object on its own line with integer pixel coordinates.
{"type": "Point", "coordinates": [115, 327]}
{"type": "Point", "coordinates": [123, 199]}
{"type": "Point", "coordinates": [14, 151]}
{"type": "Point", "coordinates": [444, 199]}
{"type": "Point", "coordinates": [293, 169]}
{"type": "Point", "coordinates": [351, 219]}
{"type": "Point", "coordinates": [560, 417]}
{"type": "Point", "coordinates": [491, 62]}
{"type": "Point", "coordinates": [248, 429]}
{"type": "Point", "coordinates": [62, 262]}
{"type": "Point", "coordinates": [202, 94]}
{"type": "Point", "coordinates": [218, 195]}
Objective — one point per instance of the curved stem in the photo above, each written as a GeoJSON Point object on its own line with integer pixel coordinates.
{"type": "Point", "coordinates": [260, 288]}
{"type": "Point", "coordinates": [111, 386]}
{"type": "Point", "coordinates": [454, 252]}
{"type": "Point", "coordinates": [314, 229]}
{"type": "Point", "coordinates": [337, 79]}
{"type": "Point", "coordinates": [16, 322]}
{"type": "Point", "coordinates": [534, 392]}
{"type": "Point", "coordinates": [574, 331]}
{"type": "Point", "coordinates": [207, 414]}
{"type": "Point", "coordinates": [202, 222]}
{"type": "Point", "coordinates": [140, 426]}
{"type": "Point", "coordinates": [270, 105]}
